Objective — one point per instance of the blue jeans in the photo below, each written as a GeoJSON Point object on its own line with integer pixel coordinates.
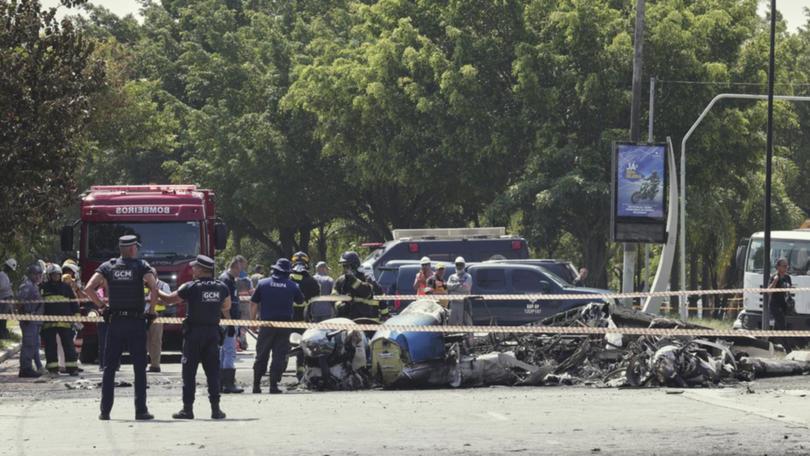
{"type": "Point", "coordinates": [29, 350]}
{"type": "Point", "coordinates": [227, 354]}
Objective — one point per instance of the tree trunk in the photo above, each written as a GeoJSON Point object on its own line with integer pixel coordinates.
{"type": "Point", "coordinates": [304, 236]}
{"type": "Point", "coordinates": [596, 258]}
{"type": "Point", "coordinates": [322, 246]}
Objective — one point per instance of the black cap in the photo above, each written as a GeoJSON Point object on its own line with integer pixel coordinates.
{"type": "Point", "coordinates": [128, 240]}
{"type": "Point", "coordinates": [203, 262]}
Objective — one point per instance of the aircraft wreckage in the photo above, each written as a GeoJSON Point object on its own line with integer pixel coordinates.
{"type": "Point", "coordinates": [394, 359]}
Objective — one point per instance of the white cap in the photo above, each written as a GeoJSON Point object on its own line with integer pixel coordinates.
{"type": "Point", "coordinates": [11, 263]}
{"type": "Point", "coordinates": [425, 260]}
{"type": "Point", "coordinates": [460, 260]}
{"type": "Point", "coordinates": [70, 266]}
{"type": "Point", "coordinates": [53, 269]}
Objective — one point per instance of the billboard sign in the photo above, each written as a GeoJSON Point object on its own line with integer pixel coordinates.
{"type": "Point", "coordinates": [639, 192]}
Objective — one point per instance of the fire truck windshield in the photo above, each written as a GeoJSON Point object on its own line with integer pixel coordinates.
{"type": "Point", "coordinates": [161, 241]}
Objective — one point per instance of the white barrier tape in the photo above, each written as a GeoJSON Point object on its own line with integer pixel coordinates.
{"type": "Point", "coordinates": [577, 330]}
{"type": "Point", "coordinates": [518, 297]}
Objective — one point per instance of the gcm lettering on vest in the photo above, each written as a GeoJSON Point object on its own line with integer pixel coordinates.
{"type": "Point", "coordinates": [210, 296]}
{"type": "Point", "coordinates": [122, 275]}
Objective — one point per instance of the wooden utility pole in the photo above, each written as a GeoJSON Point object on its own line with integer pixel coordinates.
{"type": "Point", "coordinates": [630, 250]}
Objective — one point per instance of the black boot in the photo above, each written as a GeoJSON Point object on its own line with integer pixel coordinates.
{"type": "Point", "coordinates": [216, 412]}
{"type": "Point", "coordinates": [257, 383]}
{"type": "Point", "coordinates": [229, 382]}
{"type": "Point", "coordinates": [144, 416]}
{"type": "Point", "coordinates": [186, 414]}
{"type": "Point", "coordinates": [274, 388]}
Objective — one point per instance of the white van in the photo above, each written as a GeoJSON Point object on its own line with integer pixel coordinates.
{"type": "Point", "coordinates": [795, 247]}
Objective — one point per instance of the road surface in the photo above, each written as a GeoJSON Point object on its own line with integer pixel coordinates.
{"type": "Point", "coordinates": [59, 416]}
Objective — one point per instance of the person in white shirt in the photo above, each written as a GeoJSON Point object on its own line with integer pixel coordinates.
{"type": "Point", "coordinates": [6, 292]}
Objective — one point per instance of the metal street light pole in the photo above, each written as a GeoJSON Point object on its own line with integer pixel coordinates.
{"type": "Point", "coordinates": [766, 272]}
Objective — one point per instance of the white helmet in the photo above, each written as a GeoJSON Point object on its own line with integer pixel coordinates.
{"type": "Point", "coordinates": [11, 263]}
{"type": "Point", "coordinates": [425, 260]}
{"type": "Point", "coordinates": [53, 269]}
{"type": "Point", "coordinates": [460, 260]}
{"type": "Point", "coordinates": [70, 266]}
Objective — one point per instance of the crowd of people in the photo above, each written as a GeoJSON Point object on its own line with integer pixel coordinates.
{"type": "Point", "coordinates": [47, 289]}
{"type": "Point", "coordinates": [128, 293]}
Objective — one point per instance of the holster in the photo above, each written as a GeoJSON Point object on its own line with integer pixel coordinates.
{"type": "Point", "coordinates": [231, 331]}
{"type": "Point", "coordinates": [105, 314]}
{"type": "Point", "coordinates": [222, 332]}
{"type": "Point", "coordinates": [185, 327]}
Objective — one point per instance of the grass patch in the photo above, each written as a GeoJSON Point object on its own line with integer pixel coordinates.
{"type": "Point", "coordinates": [712, 323]}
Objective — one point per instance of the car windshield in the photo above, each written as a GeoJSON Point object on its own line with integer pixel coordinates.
{"type": "Point", "coordinates": [161, 241]}
{"type": "Point", "coordinates": [797, 252]}
{"type": "Point", "coordinates": [554, 277]}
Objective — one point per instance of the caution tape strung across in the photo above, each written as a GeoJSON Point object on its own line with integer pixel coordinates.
{"type": "Point", "coordinates": [520, 297]}
{"type": "Point", "coordinates": [578, 330]}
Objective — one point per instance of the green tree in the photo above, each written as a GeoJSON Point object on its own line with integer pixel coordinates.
{"type": "Point", "coordinates": [48, 77]}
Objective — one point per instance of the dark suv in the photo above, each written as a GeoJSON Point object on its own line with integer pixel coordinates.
{"type": "Point", "coordinates": [507, 278]}
{"type": "Point", "coordinates": [562, 268]}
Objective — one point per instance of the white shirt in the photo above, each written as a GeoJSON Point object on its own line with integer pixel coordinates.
{"type": "Point", "coordinates": [5, 286]}
{"type": "Point", "coordinates": [459, 283]}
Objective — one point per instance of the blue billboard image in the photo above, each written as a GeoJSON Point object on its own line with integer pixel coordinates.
{"type": "Point", "coordinates": [640, 181]}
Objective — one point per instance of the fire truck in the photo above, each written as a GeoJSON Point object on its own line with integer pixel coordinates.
{"type": "Point", "coordinates": [174, 224]}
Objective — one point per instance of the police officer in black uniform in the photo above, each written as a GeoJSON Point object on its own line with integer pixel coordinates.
{"type": "Point", "coordinates": [207, 299]}
{"type": "Point", "coordinates": [124, 279]}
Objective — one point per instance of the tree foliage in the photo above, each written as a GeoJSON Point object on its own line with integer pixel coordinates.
{"type": "Point", "coordinates": [48, 77]}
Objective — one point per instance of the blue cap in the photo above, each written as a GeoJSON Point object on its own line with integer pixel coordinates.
{"type": "Point", "coordinates": [203, 262]}
{"type": "Point", "coordinates": [283, 266]}
{"type": "Point", "coordinates": [128, 240]}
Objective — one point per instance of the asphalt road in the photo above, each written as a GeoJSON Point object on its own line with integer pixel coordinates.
{"type": "Point", "coordinates": [59, 416]}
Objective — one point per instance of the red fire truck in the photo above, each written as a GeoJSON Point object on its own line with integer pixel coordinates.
{"type": "Point", "coordinates": [174, 223]}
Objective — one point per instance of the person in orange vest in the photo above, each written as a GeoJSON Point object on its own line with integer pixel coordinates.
{"type": "Point", "coordinates": [420, 282]}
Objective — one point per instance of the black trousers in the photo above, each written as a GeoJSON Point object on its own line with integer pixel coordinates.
{"type": "Point", "coordinates": [201, 346]}
{"type": "Point", "coordinates": [276, 340]}
{"type": "Point", "coordinates": [49, 335]}
{"type": "Point", "coordinates": [131, 333]}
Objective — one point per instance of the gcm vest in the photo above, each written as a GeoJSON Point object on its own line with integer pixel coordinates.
{"type": "Point", "coordinates": [125, 283]}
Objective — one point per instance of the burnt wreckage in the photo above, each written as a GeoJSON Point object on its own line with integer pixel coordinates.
{"type": "Point", "coordinates": [422, 359]}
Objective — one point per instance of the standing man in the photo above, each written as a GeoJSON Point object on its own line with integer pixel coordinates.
{"type": "Point", "coordinates": [310, 289]}
{"type": "Point", "coordinates": [31, 304]}
{"type": "Point", "coordinates": [227, 355]}
{"type": "Point", "coordinates": [154, 334]}
{"type": "Point", "coordinates": [124, 278]}
{"type": "Point", "coordinates": [425, 273]}
{"type": "Point", "coordinates": [59, 300]}
{"type": "Point", "coordinates": [581, 277]}
{"type": "Point", "coordinates": [273, 301]}
{"type": "Point", "coordinates": [460, 283]}
{"type": "Point", "coordinates": [361, 289]}
{"type": "Point", "coordinates": [323, 278]}
{"type": "Point", "coordinates": [779, 300]}
{"type": "Point", "coordinates": [207, 300]}
{"type": "Point", "coordinates": [6, 292]}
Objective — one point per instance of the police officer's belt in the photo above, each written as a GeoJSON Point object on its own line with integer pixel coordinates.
{"type": "Point", "coordinates": [127, 314]}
